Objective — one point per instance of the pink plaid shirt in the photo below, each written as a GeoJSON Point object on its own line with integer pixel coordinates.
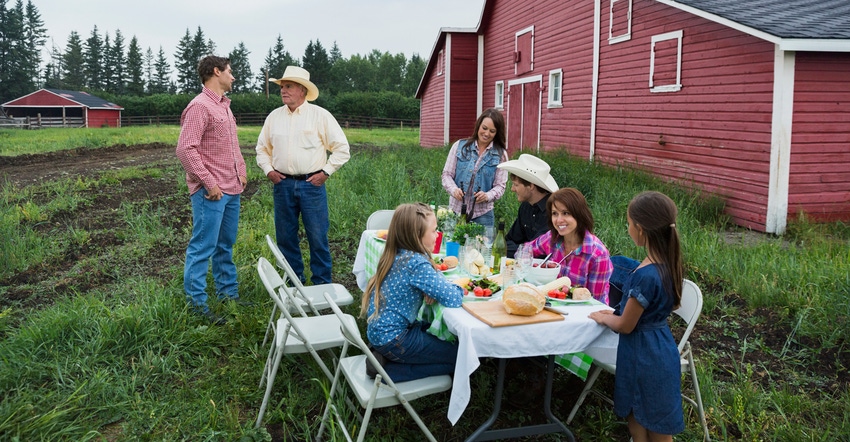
{"type": "Point", "coordinates": [589, 265]}
{"type": "Point", "coordinates": [208, 147]}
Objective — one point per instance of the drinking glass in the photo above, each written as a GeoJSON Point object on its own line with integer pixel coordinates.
{"type": "Point", "coordinates": [524, 259]}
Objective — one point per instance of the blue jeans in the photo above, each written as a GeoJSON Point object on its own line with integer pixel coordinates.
{"type": "Point", "coordinates": [214, 228]}
{"type": "Point", "coordinates": [416, 354]}
{"type": "Point", "coordinates": [487, 219]}
{"type": "Point", "coordinates": [294, 198]}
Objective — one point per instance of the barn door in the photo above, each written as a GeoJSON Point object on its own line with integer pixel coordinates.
{"type": "Point", "coordinates": [523, 117]}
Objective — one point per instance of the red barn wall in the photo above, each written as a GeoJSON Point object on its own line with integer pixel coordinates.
{"type": "Point", "coordinates": [464, 86]}
{"type": "Point", "coordinates": [432, 109]}
{"type": "Point", "coordinates": [819, 179]}
{"type": "Point", "coordinates": [103, 117]}
{"type": "Point", "coordinates": [714, 133]}
{"type": "Point", "coordinates": [563, 39]}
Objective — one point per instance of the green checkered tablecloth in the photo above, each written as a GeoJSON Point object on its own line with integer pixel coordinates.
{"type": "Point", "coordinates": [374, 249]}
{"type": "Point", "coordinates": [576, 363]}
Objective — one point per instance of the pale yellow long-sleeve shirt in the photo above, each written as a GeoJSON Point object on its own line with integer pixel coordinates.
{"type": "Point", "coordinates": [296, 143]}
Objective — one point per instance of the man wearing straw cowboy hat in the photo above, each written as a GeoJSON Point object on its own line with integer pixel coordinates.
{"type": "Point", "coordinates": [292, 151]}
{"type": "Point", "coordinates": [532, 185]}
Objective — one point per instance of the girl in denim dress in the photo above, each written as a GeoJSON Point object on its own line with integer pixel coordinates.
{"type": "Point", "coordinates": [647, 384]}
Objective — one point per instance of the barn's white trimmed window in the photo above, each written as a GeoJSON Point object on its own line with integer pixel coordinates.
{"type": "Point", "coordinates": [665, 62]}
{"type": "Point", "coordinates": [441, 62]}
{"type": "Point", "coordinates": [556, 82]}
{"type": "Point", "coordinates": [500, 95]}
{"type": "Point", "coordinates": [620, 21]}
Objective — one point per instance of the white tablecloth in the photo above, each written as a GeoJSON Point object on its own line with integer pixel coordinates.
{"type": "Point", "coordinates": [476, 339]}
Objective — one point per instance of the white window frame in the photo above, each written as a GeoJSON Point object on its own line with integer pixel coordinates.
{"type": "Point", "coordinates": [666, 87]}
{"type": "Point", "coordinates": [441, 62]}
{"type": "Point", "coordinates": [556, 88]}
{"type": "Point", "coordinates": [499, 99]}
{"type": "Point", "coordinates": [622, 37]}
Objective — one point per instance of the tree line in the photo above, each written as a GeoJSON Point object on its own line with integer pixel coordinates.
{"type": "Point", "coordinates": [142, 81]}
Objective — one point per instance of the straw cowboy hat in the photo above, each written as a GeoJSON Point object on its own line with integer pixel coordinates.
{"type": "Point", "coordinates": [300, 76]}
{"type": "Point", "coordinates": [532, 169]}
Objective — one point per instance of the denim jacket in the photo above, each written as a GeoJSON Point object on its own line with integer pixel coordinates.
{"type": "Point", "coordinates": [467, 155]}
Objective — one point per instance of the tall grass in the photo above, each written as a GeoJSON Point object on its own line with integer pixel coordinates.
{"type": "Point", "coordinates": [123, 358]}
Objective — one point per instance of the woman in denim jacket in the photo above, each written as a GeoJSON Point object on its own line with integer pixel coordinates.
{"type": "Point", "coordinates": [470, 175]}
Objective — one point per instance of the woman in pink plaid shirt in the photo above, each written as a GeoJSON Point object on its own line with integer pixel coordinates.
{"type": "Point", "coordinates": [570, 240]}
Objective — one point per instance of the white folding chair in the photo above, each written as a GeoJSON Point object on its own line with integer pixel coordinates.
{"type": "Point", "coordinates": [371, 393]}
{"type": "Point", "coordinates": [689, 310]}
{"type": "Point", "coordinates": [379, 219]}
{"type": "Point", "coordinates": [294, 335]}
{"type": "Point", "coordinates": [308, 298]}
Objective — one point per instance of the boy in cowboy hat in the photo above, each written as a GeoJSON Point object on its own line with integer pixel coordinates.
{"type": "Point", "coordinates": [292, 151]}
{"type": "Point", "coordinates": [532, 185]}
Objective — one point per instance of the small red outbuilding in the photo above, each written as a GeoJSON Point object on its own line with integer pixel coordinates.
{"type": "Point", "coordinates": [63, 108]}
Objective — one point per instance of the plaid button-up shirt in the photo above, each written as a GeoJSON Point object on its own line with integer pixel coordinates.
{"type": "Point", "coordinates": [208, 146]}
{"type": "Point", "coordinates": [589, 265]}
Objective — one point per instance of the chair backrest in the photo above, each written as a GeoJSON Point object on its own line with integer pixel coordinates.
{"type": "Point", "coordinates": [276, 287]}
{"type": "Point", "coordinates": [689, 309]}
{"type": "Point", "coordinates": [379, 219]}
{"type": "Point", "coordinates": [290, 275]}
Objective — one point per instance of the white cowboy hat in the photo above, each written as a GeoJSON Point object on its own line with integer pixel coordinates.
{"type": "Point", "coordinates": [298, 75]}
{"type": "Point", "coordinates": [532, 169]}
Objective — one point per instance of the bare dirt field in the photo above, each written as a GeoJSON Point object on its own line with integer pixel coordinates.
{"type": "Point", "coordinates": [724, 337]}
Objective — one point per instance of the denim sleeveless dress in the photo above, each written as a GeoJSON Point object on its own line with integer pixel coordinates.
{"type": "Point", "coordinates": [648, 379]}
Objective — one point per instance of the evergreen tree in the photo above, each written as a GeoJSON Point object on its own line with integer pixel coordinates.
{"type": "Point", "coordinates": [149, 60]}
{"type": "Point", "coordinates": [241, 69]}
{"type": "Point", "coordinates": [35, 37]}
{"type": "Point", "coordinates": [108, 68]}
{"type": "Point", "coordinates": [21, 39]}
{"type": "Point", "coordinates": [189, 52]}
{"type": "Point", "coordinates": [74, 63]}
{"type": "Point", "coordinates": [135, 82]}
{"type": "Point", "coordinates": [53, 70]}
{"type": "Point", "coordinates": [275, 63]}
{"type": "Point", "coordinates": [318, 64]}
{"type": "Point", "coordinates": [118, 60]}
{"type": "Point", "coordinates": [93, 54]}
{"type": "Point", "coordinates": [161, 81]}
{"type": "Point", "coordinates": [413, 75]}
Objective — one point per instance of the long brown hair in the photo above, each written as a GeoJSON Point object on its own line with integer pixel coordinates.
{"type": "Point", "coordinates": [575, 203]}
{"type": "Point", "coordinates": [498, 121]}
{"type": "Point", "coordinates": [407, 227]}
{"type": "Point", "coordinates": [655, 213]}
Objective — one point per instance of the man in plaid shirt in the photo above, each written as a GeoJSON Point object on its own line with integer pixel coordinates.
{"type": "Point", "coordinates": [216, 175]}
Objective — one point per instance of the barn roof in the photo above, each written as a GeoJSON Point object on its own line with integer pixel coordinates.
{"type": "Point", "coordinates": [794, 25]}
{"type": "Point", "coordinates": [84, 99]}
{"type": "Point", "coordinates": [787, 18]}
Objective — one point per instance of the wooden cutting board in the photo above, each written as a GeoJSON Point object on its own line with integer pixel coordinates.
{"type": "Point", "coordinates": [493, 314]}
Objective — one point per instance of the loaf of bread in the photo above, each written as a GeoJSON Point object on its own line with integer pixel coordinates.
{"type": "Point", "coordinates": [523, 299]}
{"type": "Point", "coordinates": [450, 261]}
{"type": "Point", "coordinates": [580, 293]}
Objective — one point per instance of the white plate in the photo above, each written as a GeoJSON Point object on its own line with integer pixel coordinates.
{"type": "Point", "coordinates": [379, 238]}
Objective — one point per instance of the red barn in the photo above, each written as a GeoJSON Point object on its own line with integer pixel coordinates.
{"type": "Point", "coordinates": [749, 101]}
{"type": "Point", "coordinates": [57, 107]}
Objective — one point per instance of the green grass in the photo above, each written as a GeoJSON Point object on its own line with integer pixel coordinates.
{"type": "Point", "coordinates": [111, 352]}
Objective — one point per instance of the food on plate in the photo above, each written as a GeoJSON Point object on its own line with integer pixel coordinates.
{"type": "Point", "coordinates": [450, 261]}
{"type": "Point", "coordinates": [382, 234]}
{"type": "Point", "coordinates": [523, 299]}
{"type": "Point", "coordinates": [482, 288]}
{"type": "Point", "coordinates": [557, 284]}
{"type": "Point", "coordinates": [548, 265]}
{"type": "Point", "coordinates": [580, 293]}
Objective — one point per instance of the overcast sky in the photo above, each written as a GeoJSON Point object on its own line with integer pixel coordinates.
{"type": "Point", "coordinates": [357, 26]}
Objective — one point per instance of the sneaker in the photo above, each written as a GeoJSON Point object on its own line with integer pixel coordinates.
{"type": "Point", "coordinates": [213, 318]}
{"type": "Point", "coordinates": [371, 371]}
